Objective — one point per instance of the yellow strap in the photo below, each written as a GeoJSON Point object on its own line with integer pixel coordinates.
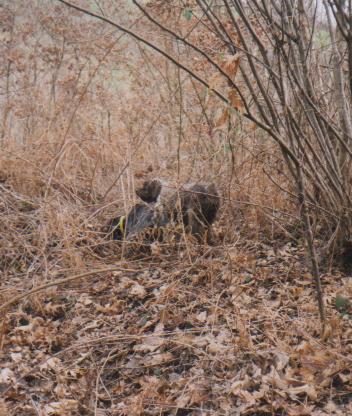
{"type": "Point", "coordinates": [122, 223]}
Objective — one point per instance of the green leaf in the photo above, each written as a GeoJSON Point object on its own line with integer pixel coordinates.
{"type": "Point", "coordinates": [187, 13]}
{"type": "Point", "coordinates": [341, 302]}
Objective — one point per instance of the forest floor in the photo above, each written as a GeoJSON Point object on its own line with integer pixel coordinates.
{"type": "Point", "coordinates": [228, 329]}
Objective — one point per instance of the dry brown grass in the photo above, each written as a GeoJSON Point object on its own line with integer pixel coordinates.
{"type": "Point", "coordinates": [178, 328]}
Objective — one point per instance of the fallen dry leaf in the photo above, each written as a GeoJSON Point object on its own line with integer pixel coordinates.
{"type": "Point", "coordinates": [62, 408]}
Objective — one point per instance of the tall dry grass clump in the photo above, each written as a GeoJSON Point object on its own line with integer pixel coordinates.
{"type": "Point", "coordinates": [81, 127]}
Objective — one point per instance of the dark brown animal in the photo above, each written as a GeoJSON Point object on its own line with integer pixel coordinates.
{"type": "Point", "coordinates": [194, 205]}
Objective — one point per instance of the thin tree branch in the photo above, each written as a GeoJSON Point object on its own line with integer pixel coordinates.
{"type": "Point", "coordinates": [146, 42]}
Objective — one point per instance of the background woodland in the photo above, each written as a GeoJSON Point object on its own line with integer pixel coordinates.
{"type": "Point", "coordinates": [254, 96]}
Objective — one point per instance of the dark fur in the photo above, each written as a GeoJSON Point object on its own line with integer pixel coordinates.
{"type": "Point", "coordinates": [140, 217]}
{"type": "Point", "coordinates": [195, 206]}
{"type": "Point", "coordinates": [150, 191]}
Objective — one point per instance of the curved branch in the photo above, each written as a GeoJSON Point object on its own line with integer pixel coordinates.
{"type": "Point", "coordinates": [196, 48]}
{"type": "Point", "coordinates": [146, 42]}
{"type": "Point", "coordinates": [135, 35]}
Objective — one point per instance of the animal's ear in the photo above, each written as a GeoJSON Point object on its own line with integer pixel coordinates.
{"type": "Point", "coordinates": [150, 191]}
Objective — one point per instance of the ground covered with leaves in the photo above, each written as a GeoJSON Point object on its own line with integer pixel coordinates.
{"type": "Point", "coordinates": [180, 329]}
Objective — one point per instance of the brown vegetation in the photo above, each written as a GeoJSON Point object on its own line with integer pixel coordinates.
{"type": "Point", "coordinates": [87, 115]}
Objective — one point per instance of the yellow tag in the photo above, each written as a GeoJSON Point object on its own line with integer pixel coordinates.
{"type": "Point", "coordinates": [122, 223]}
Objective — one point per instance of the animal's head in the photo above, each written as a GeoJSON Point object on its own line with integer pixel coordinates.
{"type": "Point", "coordinates": [141, 216]}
